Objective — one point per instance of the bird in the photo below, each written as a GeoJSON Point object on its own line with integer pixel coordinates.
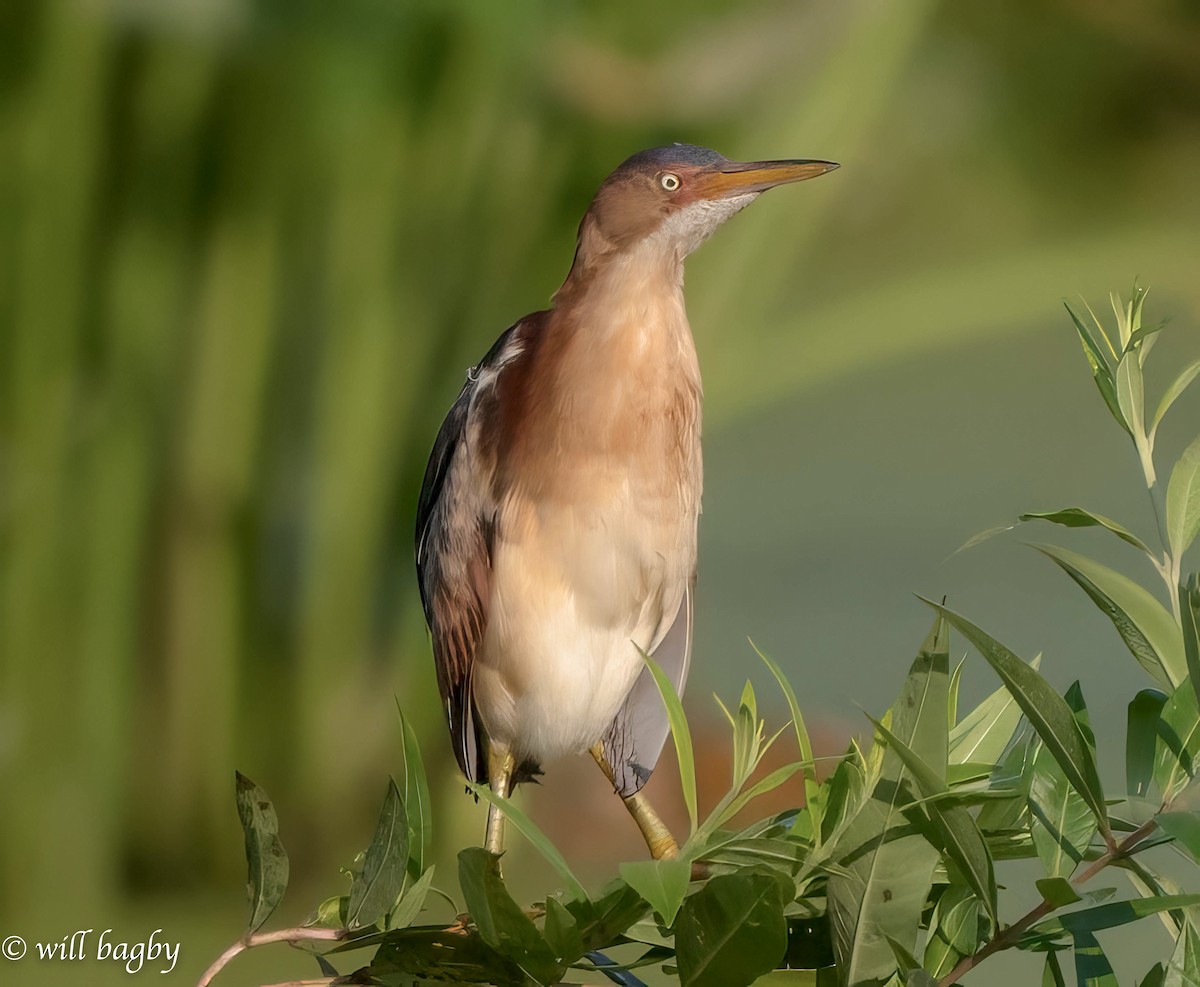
{"type": "Point", "coordinates": [556, 534]}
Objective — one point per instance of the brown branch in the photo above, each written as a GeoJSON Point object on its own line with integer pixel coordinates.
{"type": "Point", "coordinates": [249, 941]}
{"type": "Point", "coordinates": [1008, 938]}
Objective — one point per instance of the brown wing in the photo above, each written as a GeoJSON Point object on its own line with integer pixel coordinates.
{"type": "Point", "coordinates": [456, 517]}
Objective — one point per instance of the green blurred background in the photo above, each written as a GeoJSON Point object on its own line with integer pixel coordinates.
{"type": "Point", "coordinates": [247, 250]}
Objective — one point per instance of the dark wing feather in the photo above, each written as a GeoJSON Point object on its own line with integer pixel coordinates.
{"type": "Point", "coordinates": [455, 522]}
{"type": "Point", "coordinates": [637, 734]}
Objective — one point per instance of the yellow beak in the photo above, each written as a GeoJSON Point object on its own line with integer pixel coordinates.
{"type": "Point", "coordinates": [735, 178]}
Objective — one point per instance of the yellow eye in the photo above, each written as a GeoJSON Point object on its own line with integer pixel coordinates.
{"type": "Point", "coordinates": [670, 182]}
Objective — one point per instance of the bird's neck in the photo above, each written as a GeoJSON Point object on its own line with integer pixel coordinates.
{"type": "Point", "coordinates": [608, 289]}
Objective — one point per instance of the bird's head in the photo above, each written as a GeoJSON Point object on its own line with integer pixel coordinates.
{"type": "Point", "coordinates": [676, 196]}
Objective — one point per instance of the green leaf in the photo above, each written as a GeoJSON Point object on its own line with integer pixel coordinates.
{"type": "Point", "coordinates": [905, 961]}
{"type": "Point", "coordinates": [1052, 975]}
{"type": "Point", "coordinates": [1112, 915]}
{"type": "Point", "coordinates": [1141, 735]}
{"type": "Point", "coordinates": [1058, 891]}
{"type": "Point", "coordinates": [955, 931]}
{"type": "Point", "coordinates": [1062, 825]}
{"type": "Point", "coordinates": [958, 834]}
{"type": "Point", "coordinates": [1178, 742]}
{"type": "Point", "coordinates": [501, 922]}
{"type": "Point", "coordinates": [1077, 517]}
{"type": "Point", "coordinates": [1092, 968]}
{"type": "Point", "coordinates": [768, 783]}
{"type": "Point", "coordinates": [1183, 500]}
{"type": "Point", "coordinates": [375, 890]}
{"type": "Point", "coordinates": [331, 913]}
{"type": "Point", "coordinates": [406, 912]}
{"type": "Point", "coordinates": [1047, 712]}
{"type": "Point", "coordinates": [1177, 388]}
{"type": "Point", "coordinates": [731, 931]}
{"type": "Point", "coordinates": [885, 864]}
{"type": "Point", "coordinates": [417, 804]}
{"type": "Point", "coordinates": [608, 916]}
{"type": "Point", "coordinates": [811, 786]}
{"type": "Point", "coordinates": [562, 933]}
{"type": "Point", "coordinates": [1101, 371]}
{"type": "Point", "coordinates": [985, 732]}
{"type": "Point", "coordinates": [1189, 617]}
{"type": "Point", "coordinates": [952, 694]}
{"type": "Point", "coordinates": [528, 828]}
{"type": "Point", "coordinates": [1147, 629]}
{"type": "Point", "coordinates": [1156, 977]}
{"type": "Point", "coordinates": [681, 735]}
{"type": "Point", "coordinates": [1184, 828]}
{"type": "Point", "coordinates": [663, 883]}
{"type": "Point", "coordinates": [1183, 969]}
{"type": "Point", "coordinates": [919, 978]}
{"type": "Point", "coordinates": [1130, 393]}
{"type": "Point", "coordinates": [265, 856]}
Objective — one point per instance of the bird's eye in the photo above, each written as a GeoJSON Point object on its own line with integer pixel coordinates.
{"type": "Point", "coordinates": [670, 182]}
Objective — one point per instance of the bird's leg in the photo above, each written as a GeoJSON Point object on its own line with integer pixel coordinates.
{"type": "Point", "coordinates": [654, 831]}
{"type": "Point", "coordinates": [500, 770]}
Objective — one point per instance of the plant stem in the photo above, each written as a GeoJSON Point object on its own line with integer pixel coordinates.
{"type": "Point", "coordinates": [1010, 936]}
{"type": "Point", "coordinates": [249, 941]}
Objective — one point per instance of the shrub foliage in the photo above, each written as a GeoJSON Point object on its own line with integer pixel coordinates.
{"type": "Point", "coordinates": [887, 874]}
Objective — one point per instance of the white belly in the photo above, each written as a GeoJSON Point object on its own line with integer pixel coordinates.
{"type": "Point", "coordinates": [575, 593]}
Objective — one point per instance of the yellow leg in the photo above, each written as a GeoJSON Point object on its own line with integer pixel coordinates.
{"type": "Point", "coordinates": [500, 770]}
{"type": "Point", "coordinates": [654, 831]}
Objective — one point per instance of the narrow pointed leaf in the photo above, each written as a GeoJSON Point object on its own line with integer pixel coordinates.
{"type": "Point", "coordinates": [376, 889]}
{"type": "Point", "coordinates": [1117, 913]}
{"type": "Point", "coordinates": [812, 787]}
{"type": "Point", "coordinates": [265, 857]}
{"type": "Point", "coordinates": [1101, 371]}
{"type": "Point", "coordinates": [1077, 517]}
{"type": "Point", "coordinates": [663, 883]}
{"type": "Point", "coordinates": [984, 733]}
{"type": "Point", "coordinates": [959, 835]}
{"type": "Point", "coordinates": [410, 905]}
{"type": "Point", "coordinates": [681, 735]}
{"type": "Point", "coordinates": [1183, 969]}
{"type": "Point", "coordinates": [1061, 824]}
{"type": "Point", "coordinates": [1092, 968]}
{"type": "Point", "coordinates": [541, 842]}
{"type": "Point", "coordinates": [1052, 975]}
{"type": "Point", "coordinates": [1178, 742]}
{"type": "Point", "coordinates": [1130, 394]}
{"type": "Point", "coordinates": [417, 804]}
{"type": "Point", "coordinates": [1180, 384]}
{"type": "Point", "coordinates": [1047, 712]}
{"type": "Point", "coordinates": [1146, 627]}
{"type": "Point", "coordinates": [1189, 617]}
{"type": "Point", "coordinates": [1183, 500]}
{"type": "Point", "coordinates": [1141, 736]}
{"type": "Point", "coordinates": [885, 864]}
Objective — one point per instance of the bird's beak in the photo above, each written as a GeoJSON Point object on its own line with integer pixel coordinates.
{"type": "Point", "coordinates": [736, 178]}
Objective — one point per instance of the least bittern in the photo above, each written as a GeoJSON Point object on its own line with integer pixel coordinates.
{"type": "Point", "coordinates": [556, 530]}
